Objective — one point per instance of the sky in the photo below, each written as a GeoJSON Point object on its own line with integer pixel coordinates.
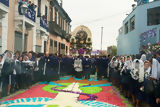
{"type": "Point", "coordinates": [99, 13]}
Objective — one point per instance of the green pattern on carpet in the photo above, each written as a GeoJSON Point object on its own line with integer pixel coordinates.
{"type": "Point", "coordinates": [129, 105]}
{"type": "Point", "coordinates": [123, 97]}
{"type": "Point", "coordinates": [53, 106]}
{"type": "Point", "coordinates": [80, 85]}
{"type": "Point", "coordinates": [65, 84]}
{"type": "Point", "coordinates": [48, 88]}
{"type": "Point", "coordinates": [91, 90]}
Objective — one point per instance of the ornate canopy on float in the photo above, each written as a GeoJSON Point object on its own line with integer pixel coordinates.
{"type": "Point", "coordinates": [81, 39]}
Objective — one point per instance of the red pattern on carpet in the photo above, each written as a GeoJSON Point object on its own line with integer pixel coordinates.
{"type": "Point", "coordinates": [107, 95]}
{"type": "Point", "coordinates": [35, 91]}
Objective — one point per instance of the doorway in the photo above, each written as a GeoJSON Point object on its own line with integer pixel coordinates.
{"type": "Point", "coordinates": [18, 42]}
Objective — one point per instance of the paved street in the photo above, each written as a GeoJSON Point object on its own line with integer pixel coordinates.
{"type": "Point", "coordinates": [68, 92]}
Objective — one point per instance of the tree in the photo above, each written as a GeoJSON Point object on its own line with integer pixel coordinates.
{"type": "Point", "coordinates": [114, 50]}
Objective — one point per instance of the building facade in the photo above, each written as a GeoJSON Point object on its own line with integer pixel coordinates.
{"type": "Point", "coordinates": [140, 27]}
{"type": "Point", "coordinates": [38, 35]}
{"type": "Point", "coordinates": [4, 10]}
{"type": "Point", "coordinates": [59, 28]}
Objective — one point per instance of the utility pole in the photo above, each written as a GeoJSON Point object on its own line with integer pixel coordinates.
{"type": "Point", "coordinates": [101, 36]}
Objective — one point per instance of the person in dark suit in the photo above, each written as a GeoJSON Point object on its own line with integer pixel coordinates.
{"type": "Point", "coordinates": [70, 65]}
{"type": "Point", "coordinates": [47, 65]}
{"type": "Point", "coordinates": [26, 68]}
{"type": "Point", "coordinates": [105, 62]}
{"type": "Point", "coordinates": [1, 65]}
{"type": "Point", "coordinates": [157, 95]}
{"type": "Point", "coordinates": [102, 65]}
{"type": "Point", "coordinates": [62, 61]}
{"type": "Point", "coordinates": [55, 68]}
{"type": "Point", "coordinates": [93, 65]}
{"type": "Point", "coordinates": [20, 73]}
{"type": "Point", "coordinates": [41, 67]}
{"type": "Point", "coordinates": [87, 67]}
{"type": "Point", "coordinates": [36, 69]}
{"type": "Point", "coordinates": [99, 67]}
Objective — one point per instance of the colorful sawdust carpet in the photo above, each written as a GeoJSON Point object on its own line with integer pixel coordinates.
{"type": "Point", "coordinates": [68, 92]}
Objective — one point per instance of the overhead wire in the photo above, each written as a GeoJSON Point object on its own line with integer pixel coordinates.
{"type": "Point", "coordinates": [102, 18]}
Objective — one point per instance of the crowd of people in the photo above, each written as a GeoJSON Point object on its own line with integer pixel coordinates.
{"type": "Point", "coordinates": [138, 78]}
{"type": "Point", "coordinates": [28, 3]}
{"type": "Point", "coordinates": [22, 71]}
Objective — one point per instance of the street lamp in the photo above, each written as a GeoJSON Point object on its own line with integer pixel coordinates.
{"type": "Point", "coordinates": [23, 11]}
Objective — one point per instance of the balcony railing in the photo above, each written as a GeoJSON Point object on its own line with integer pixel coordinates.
{"type": "Point", "coordinates": [54, 28]}
{"type": "Point", "coordinates": [31, 14]}
{"type": "Point", "coordinates": [5, 2]}
{"type": "Point", "coordinates": [63, 34]}
{"type": "Point", "coordinates": [43, 23]}
{"type": "Point", "coordinates": [68, 37]}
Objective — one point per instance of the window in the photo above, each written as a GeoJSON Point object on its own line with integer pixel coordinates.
{"type": "Point", "coordinates": [39, 8]}
{"type": "Point", "coordinates": [38, 49]}
{"type": "Point", "coordinates": [67, 27]}
{"type": "Point", "coordinates": [132, 23]}
{"type": "Point", "coordinates": [51, 13]}
{"type": "Point", "coordinates": [0, 44]}
{"type": "Point", "coordinates": [45, 45]}
{"type": "Point", "coordinates": [126, 27]}
{"type": "Point", "coordinates": [55, 15]}
{"type": "Point", "coordinates": [55, 43]}
{"type": "Point", "coordinates": [62, 23]}
{"type": "Point", "coordinates": [59, 19]}
{"type": "Point", "coordinates": [46, 12]}
{"type": "Point", "coordinates": [153, 16]}
{"type": "Point", "coordinates": [55, 46]}
{"type": "Point", "coordinates": [62, 46]}
{"type": "Point", "coordinates": [51, 42]}
{"type": "Point", "coordinates": [66, 49]}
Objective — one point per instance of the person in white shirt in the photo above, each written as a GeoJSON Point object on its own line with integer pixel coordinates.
{"type": "Point", "coordinates": [137, 78]}
{"type": "Point", "coordinates": [125, 72]}
{"type": "Point", "coordinates": [78, 67]}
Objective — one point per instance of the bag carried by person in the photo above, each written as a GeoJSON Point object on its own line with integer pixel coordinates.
{"type": "Point", "coordinates": [149, 86]}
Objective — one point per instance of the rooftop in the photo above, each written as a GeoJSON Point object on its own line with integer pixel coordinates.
{"type": "Point", "coordinates": [140, 6]}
